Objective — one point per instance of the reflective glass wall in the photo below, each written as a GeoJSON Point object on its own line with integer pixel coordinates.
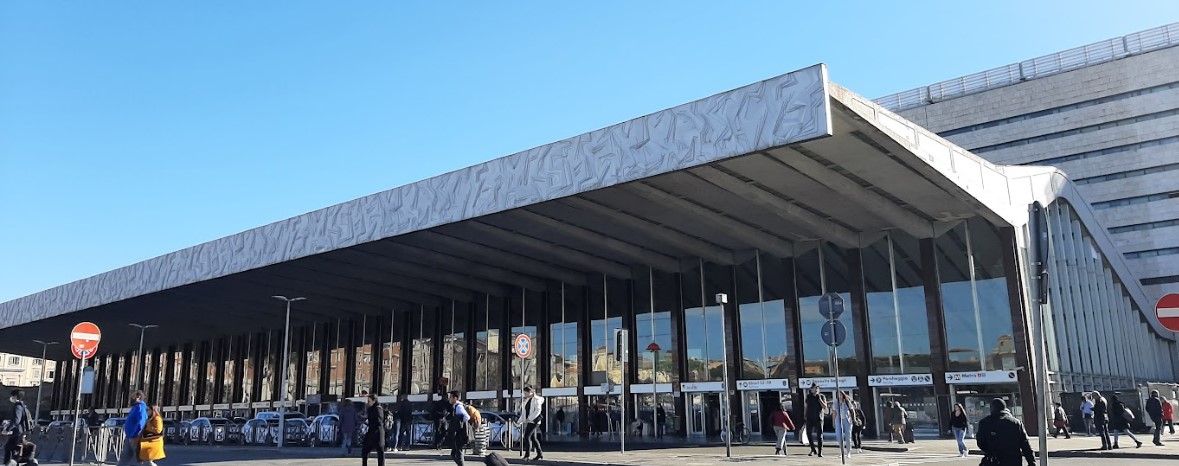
{"type": "Point", "coordinates": [817, 272]}
{"type": "Point", "coordinates": [565, 310]}
{"type": "Point", "coordinates": [897, 318]}
{"type": "Point", "coordinates": [975, 302]}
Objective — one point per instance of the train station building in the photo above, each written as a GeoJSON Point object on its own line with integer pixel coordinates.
{"type": "Point", "coordinates": [775, 194]}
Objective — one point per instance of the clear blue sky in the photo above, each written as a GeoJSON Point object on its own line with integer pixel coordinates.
{"type": "Point", "coordinates": [132, 129]}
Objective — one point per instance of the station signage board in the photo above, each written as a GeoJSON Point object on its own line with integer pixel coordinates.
{"type": "Point", "coordinates": [981, 377]}
{"type": "Point", "coordinates": [764, 384]}
{"type": "Point", "coordinates": [900, 380]}
{"type": "Point", "coordinates": [695, 387]}
{"type": "Point", "coordinates": [805, 383]}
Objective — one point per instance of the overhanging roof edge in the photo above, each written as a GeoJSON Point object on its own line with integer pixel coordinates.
{"type": "Point", "coordinates": [786, 109]}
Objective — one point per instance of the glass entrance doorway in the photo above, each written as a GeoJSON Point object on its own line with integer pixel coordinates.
{"type": "Point", "coordinates": [652, 422]}
{"type": "Point", "coordinates": [704, 411]}
{"type": "Point", "coordinates": [977, 400]}
{"type": "Point", "coordinates": [920, 406]}
{"type": "Point", "coordinates": [562, 413]}
{"type": "Point", "coordinates": [756, 408]}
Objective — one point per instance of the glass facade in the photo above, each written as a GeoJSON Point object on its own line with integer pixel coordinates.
{"type": "Point", "coordinates": [312, 376]}
{"type": "Point", "coordinates": [391, 353]}
{"type": "Point", "coordinates": [897, 316]}
{"type": "Point", "coordinates": [656, 295]}
{"type": "Point", "coordinates": [489, 344]}
{"type": "Point", "coordinates": [975, 301]}
{"type": "Point", "coordinates": [337, 357]}
{"type": "Point", "coordinates": [608, 297]}
{"type": "Point", "coordinates": [767, 337]}
{"type": "Point", "coordinates": [818, 272]}
{"type": "Point", "coordinates": [422, 350]}
{"type": "Point", "coordinates": [564, 314]}
{"type": "Point", "coordinates": [703, 328]}
{"type": "Point", "coordinates": [363, 357]}
{"type": "Point", "coordinates": [454, 344]}
{"type": "Point", "coordinates": [527, 311]}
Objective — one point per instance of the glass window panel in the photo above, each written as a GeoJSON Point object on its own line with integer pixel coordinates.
{"type": "Point", "coordinates": [608, 297]}
{"type": "Point", "coordinates": [910, 299]}
{"type": "Point", "coordinates": [364, 356]}
{"type": "Point", "coordinates": [819, 272]}
{"type": "Point", "coordinates": [391, 353]}
{"type": "Point", "coordinates": [423, 351]}
{"type": "Point", "coordinates": [248, 361]}
{"type": "Point", "coordinates": [776, 295]}
{"type": "Point", "coordinates": [994, 306]}
{"type": "Point", "coordinates": [954, 272]}
{"type": "Point", "coordinates": [489, 358]}
{"type": "Point", "coordinates": [337, 358]}
{"type": "Point", "coordinates": [753, 327]}
{"type": "Point", "coordinates": [656, 294]}
{"type": "Point", "coordinates": [454, 346]}
{"type": "Point", "coordinates": [228, 374]}
{"type": "Point", "coordinates": [315, 340]}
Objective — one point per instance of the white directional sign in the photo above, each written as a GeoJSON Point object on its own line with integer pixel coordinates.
{"type": "Point", "coordinates": [900, 380]}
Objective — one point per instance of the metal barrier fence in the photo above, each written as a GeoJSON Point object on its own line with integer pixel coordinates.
{"type": "Point", "coordinates": [101, 445]}
{"type": "Point", "coordinates": [1039, 67]}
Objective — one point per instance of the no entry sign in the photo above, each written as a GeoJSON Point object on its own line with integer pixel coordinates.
{"type": "Point", "coordinates": [87, 354]}
{"type": "Point", "coordinates": [85, 337]}
{"type": "Point", "coordinates": [1167, 311]}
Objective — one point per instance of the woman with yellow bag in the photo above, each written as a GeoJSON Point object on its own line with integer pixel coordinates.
{"type": "Point", "coordinates": [151, 439]}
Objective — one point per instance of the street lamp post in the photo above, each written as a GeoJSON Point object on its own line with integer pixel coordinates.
{"type": "Point", "coordinates": [726, 417]}
{"type": "Point", "coordinates": [139, 355]}
{"type": "Point", "coordinates": [654, 349]}
{"type": "Point", "coordinates": [41, 378]}
{"type": "Point", "coordinates": [286, 354]}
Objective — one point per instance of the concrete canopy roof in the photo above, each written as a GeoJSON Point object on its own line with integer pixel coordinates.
{"type": "Point", "coordinates": [777, 166]}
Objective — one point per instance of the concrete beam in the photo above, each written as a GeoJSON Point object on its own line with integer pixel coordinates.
{"type": "Point", "coordinates": [798, 158]}
{"type": "Point", "coordinates": [457, 264]}
{"type": "Point", "coordinates": [398, 266]}
{"type": "Point", "coordinates": [435, 241]}
{"type": "Point", "coordinates": [480, 232]}
{"type": "Point", "coordinates": [344, 274]}
{"type": "Point", "coordinates": [751, 236]}
{"type": "Point", "coordinates": [682, 241]}
{"type": "Point", "coordinates": [818, 226]}
{"type": "Point", "coordinates": [633, 253]}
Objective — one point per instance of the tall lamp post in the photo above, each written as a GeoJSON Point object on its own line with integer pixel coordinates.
{"type": "Point", "coordinates": [721, 300]}
{"type": "Point", "coordinates": [41, 378]}
{"type": "Point", "coordinates": [654, 349]}
{"type": "Point", "coordinates": [139, 355]}
{"type": "Point", "coordinates": [286, 354]}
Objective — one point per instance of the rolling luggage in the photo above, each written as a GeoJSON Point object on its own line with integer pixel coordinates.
{"type": "Point", "coordinates": [494, 459]}
{"type": "Point", "coordinates": [908, 433]}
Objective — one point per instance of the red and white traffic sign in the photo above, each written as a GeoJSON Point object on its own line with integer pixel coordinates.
{"type": "Point", "coordinates": [85, 337]}
{"type": "Point", "coordinates": [87, 354]}
{"type": "Point", "coordinates": [523, 345]}
{"type": "Point", "coordinates": [1167, 311]}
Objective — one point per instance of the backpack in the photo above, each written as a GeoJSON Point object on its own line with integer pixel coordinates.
{"type": "Point", "coordinates": [390, 421]}
{"type": "Point", "coordinates": [476, 417]}
{"type": "Point", "coordinates": [26, 422]}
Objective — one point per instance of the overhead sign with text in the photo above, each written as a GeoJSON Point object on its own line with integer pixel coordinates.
{"type": "Point", "coordinates": [981, 377]}
{"type": "Point", "coordinates": [900, 380]}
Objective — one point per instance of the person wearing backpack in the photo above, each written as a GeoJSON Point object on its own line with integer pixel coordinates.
{"type": "Point", "coordinates": [457, 431]}
{"type": "Point", "coordinates": [1002, 438]}
{"type": "Point", "coordinates": [401, 437]}
{"type": "Point", "coordinates": [21, 424]}
{"type": "Point", "coordinates": [1119, 421]}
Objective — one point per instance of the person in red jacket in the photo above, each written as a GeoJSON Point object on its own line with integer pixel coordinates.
{"type": "Point", "coordinates": [782, 424]}
{"type": "Point", "coordinates": [1169, 414]}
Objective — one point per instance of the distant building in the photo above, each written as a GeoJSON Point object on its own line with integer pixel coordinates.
{"type": "Point", "coordinates": [23, 371]}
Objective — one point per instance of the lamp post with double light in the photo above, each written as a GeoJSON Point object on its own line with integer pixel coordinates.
{"type": "Point", "coordinates": [41, 378]}
{"type": "Point", "coordinates": [139, 355]}
{"type": "Point", "coordinates": [286, 354]}
{"type": "Point", "coordinates": [654, 349]}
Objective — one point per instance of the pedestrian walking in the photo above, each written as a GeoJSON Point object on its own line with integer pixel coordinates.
{"type": "Point", "coordinates": [374, 437]}
{"type": "Point", "coordinates": [440, 412]}
{"type": "Point", "coordinates": [151, 438]}
{"type": "Point", "coordinates": [1154, 408]}
{"type": "Point", "coordinates": [348, 418]}
{"type": "Point", "coordinates": [530, 417]}
{"type": "Point", "coordinates": [401, 425]}
{"type": "Point", "coordinates": [1169, 413]}
{"type": "Point", "coordinates": [560, 417]}
{"type": "Point", "coordinates": [888, 412]}
{"type": "Point", "coordinates": [858, 422]}
{"type": "Point", "coordinates": [959, 423]}
{"type": "Point", "coordinates": [842, 417]}
{"type": "Point", "coordinates": [1060, 422]}
{"type": "Point", "coordinates": [816, 410]}
{"type": "Point", "coordinates": [20, 425]}
{"type": "Point", "coordinates": [1087, 414]}
{"type": "Point", "coordinates": [456, 432]}
{"type": "Point", "coordinates": [782, 424]}
{"type": "Point", "coordinates": [900, 419]}
{"type": "Point", "coordinates": [1101, 419]}
{"type": "Point", "coordinates": [660, 421]}
{"type": "Point", "coordinates": [1002, 438]}
{"type": "Point", "coordinates": [1119, 421]}
{"type": "Point", "coordinates": [136, 421]}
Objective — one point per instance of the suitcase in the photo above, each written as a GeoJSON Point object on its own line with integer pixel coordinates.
{"type": "Point", "coordinates": [494, 459]}
{"type": "Point", "coordinates": [908, 433]}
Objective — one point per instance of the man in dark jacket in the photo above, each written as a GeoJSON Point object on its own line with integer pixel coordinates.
{"type": "Point", "coordinates": [456, 432]}
{"type": "Point", "coordinates": [1154, 408]}
{"type": "Point", "coordinates": [374, 437]}
{"type": "Point", "coordinates": [816, 407]}
{"type": "Point", "coordinates": [1002, 438]}
{"type": "Point", "coordinates": [401, 437]}
{"type": "Point", "coordinates": [1101, 419]}
{"type": "Point", "coordinates": [17, 428]}
{"type": "Point", "coordinates": [348, 419]}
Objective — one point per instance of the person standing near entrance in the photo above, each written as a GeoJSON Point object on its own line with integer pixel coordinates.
{"type": "Point", "coordinates": [782, 424]}
{"type": "Point", "coordinates": [900, 420]}
{"type": "Point", "coordinates": [531, 415]}
{"type": "Point", "coordinates": [348, 419]}
{"type": "Point", "coordinates": [661, 421]}
{"type": "Point", "coordinates": [1168, 414]}
{"type": "Point", "coordinates": [1087, 415]}
{"type": "Point", "coordinates": [1060, 422]}
{"type": "Point", "coordinates": [889, 413]}
{"type": "Point", "coordinates": [1101, 419]}
{"type": "Point", "coordinates": [816, 409]}
{"type": "Point", "coordinates": [19, 426]}
{"type": "Point", "coordinates": [858, 421]}
{"type": "Point", "coordinates": [959, 423]}
{"type": "Point", "coordinates": [457, 431]}
{"type": "Point", "coordinates": [1002, 438]}
{"type": "Point", "coordinates": [136, 421]}
{"type": "Point", "coordinates": [1154, 408]}
{"type": "Point", "coordinates": [374, 437]}
{"type": "Point", "coordinates": [560, 417]}
{"type": "Point", "coordinates": [1119, 421]}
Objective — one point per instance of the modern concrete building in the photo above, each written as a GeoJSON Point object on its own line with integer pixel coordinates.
{"type": "Point", "coordinates": [1107, 115]}
{"type": "Point", "coordinates": [777, 194]}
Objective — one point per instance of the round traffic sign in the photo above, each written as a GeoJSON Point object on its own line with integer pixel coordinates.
{"type": "Point", "coordinates": [831, 306]}
{"type": "Point", "coordinates": [85, 336]}
{"type": "Point", "coordinates": [83, 354]}
{"type": "Point", "coordinates": [1167, 311]}
{"type": "Point", "coordinates": [523, 345]}
{"type": "Point", "coordinates": [833, 333]}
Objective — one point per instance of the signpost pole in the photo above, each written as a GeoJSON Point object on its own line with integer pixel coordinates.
{"type": "Point", "coordinates": [77, 409]}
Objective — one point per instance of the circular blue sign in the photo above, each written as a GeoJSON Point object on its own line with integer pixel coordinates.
{"type": "Point", "coordinates": [834, 333]}
{"type": "Point", "coordinates": [831, 306]}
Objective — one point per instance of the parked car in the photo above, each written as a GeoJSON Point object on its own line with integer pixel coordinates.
{"type": "Point", "coordinates": [325, 430]}
{"type": "Point", "coordinates": [501, 426]}
{"type": "Point", "coordinates": [210, 430]}
{"type": "Point", "coordinates": [171, 431]}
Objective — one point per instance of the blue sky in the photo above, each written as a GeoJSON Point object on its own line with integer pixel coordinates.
{"type": "Point", "coordinates": [133, 129]}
